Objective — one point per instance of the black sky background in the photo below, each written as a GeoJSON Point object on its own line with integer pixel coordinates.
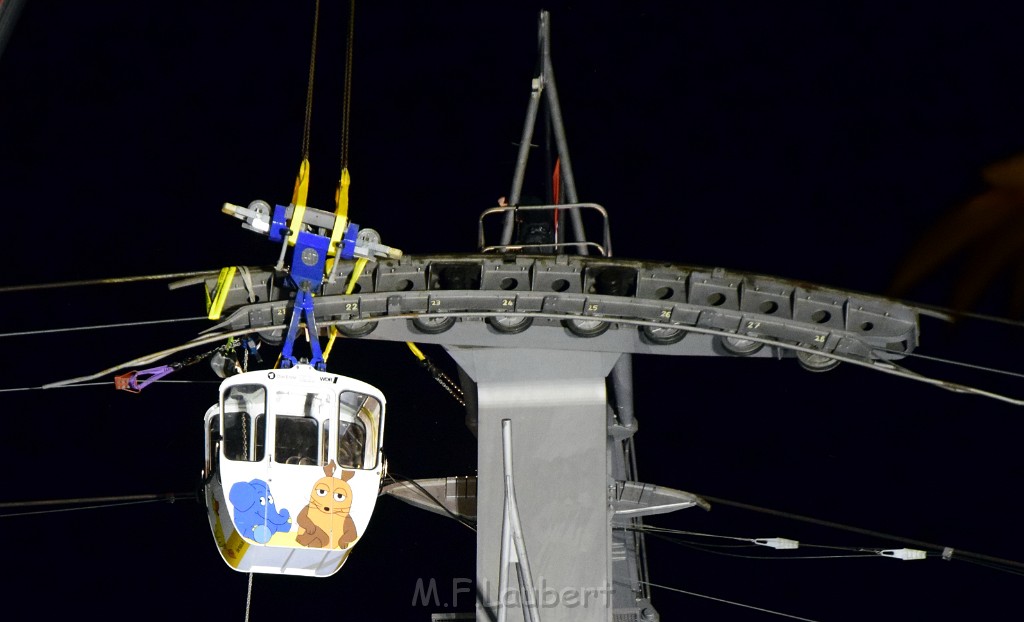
{"type": "Point", "coordinates": [809, 143]}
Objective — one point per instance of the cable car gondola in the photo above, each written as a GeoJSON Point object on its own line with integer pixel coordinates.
{"type": "Point", "coordinates": [293, 468]}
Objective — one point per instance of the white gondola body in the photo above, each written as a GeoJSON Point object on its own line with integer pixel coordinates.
{"type": "Point", "coordinates": [293, 468]}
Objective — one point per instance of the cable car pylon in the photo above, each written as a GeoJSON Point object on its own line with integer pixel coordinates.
{"type": "Point", "coordinates": [544, 341]}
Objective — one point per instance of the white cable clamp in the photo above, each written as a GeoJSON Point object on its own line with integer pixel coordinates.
{"type": "Point", "coordinates": [777, 543]}
{"type": "Point", "coordinates": [904, 554]}
{"type": "Point", "coordinates": [256, 217]}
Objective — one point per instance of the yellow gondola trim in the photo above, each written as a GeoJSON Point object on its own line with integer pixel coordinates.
{"type": "Point", "coordinates": [233, 550]}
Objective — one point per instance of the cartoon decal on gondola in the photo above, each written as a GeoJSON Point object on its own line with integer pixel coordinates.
{"type": "Point", "coordinates": [325, 522]}
{"type": "Point", "coordinates": [256, 515]}
{"type": "Point", "coordinates": [294, 464]}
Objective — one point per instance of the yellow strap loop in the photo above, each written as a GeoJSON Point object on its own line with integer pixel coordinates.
{"type": "Point", "coordinates": [220, 295]}
{"type": "Point", "coordinates": [330, 343]}
{"type": "Point", "coordinates": [334, 247]}
{"type": "Point", "coordinates": [299, 201]}
{"type": "Point", "coordinates": [298, 213]}
{"type": "Point", "coordinates": [416, 351]}
{"type": "Point", "coordinates": [341, 194]}
{"type": "Point", "coordinates": [301, 191]}
{"type": "Point", "coordinates": [357, 270]}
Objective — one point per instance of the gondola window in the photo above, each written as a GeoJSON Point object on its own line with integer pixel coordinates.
{"type": "Point", "coordinates": [245, 423]}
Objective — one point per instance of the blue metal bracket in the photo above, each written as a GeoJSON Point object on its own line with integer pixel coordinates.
{"type": "Point", "coordinates": [307, 272]}
{"type": "Point", "coordinates": [303, 308]}
{"type": "Point", "coordinates": [309, 258]}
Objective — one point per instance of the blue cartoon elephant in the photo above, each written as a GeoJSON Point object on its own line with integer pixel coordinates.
{"type": "Point", "coordinates": [256, 516]}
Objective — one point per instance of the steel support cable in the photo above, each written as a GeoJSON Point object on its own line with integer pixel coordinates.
{"type": "Point", "coordinates": [691, 329]}
{"type": "Point", "coordinates": [463, 521]}
{"type": "Point", "coordinates": [937, 359]}
{"type": "Point", "coordinates": [346, 110]}
{"type": "Point", "coordinates": [880, 366]}
{"type": "Point", "coordinates": [93, 503]}
{"type": "Point", "coordinates": [248, 598]}
{"type": "Point", "coordinates": [670, 535]}
{"type": "Point", "coordinates": [864, 553]}
{"type": "Point", "coordinates": [947, 551]}
{"type": "Point", "coordinates": [713, 551]}
{"type": "Point", "coordinates": [751, 542]}
{"type": "Point", "coordinates": [101, 384]}
{"type": "Point", "coordinates": [47, 331]}
{"type": "Point", "coordinates": [308, 123]}
{"type": "Point", "coordinates": [150, 358]}
{"type": "Point", "coordinates": [728, 602]}
{"type": "Point", "coordinates": [108, 281]}
{"type": "Point", "coordinates": [951, 315]}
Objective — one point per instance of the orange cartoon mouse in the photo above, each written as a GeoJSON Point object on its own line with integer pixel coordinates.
{"type": "Point", "coordinates": [325, 522]}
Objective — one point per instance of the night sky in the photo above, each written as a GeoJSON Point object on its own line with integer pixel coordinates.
{"type": "Point", "coordinates": [816, 144]}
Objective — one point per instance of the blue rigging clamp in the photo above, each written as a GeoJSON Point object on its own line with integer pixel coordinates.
{"type": "Point", "coordinates": [315, 235]}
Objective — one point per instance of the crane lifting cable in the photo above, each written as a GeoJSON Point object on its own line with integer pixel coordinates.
{"type": "Point", "coordinates": [301, 191]}
{"type": "Point", "coordinates": [319, 238]}
{"type": "Point", "coordinates": [344, 181]}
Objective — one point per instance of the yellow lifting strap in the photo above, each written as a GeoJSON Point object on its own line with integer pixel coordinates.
{"type": "Point", "coordinates": [301, 184]}
{"type": "Point", "coordinates": [220, 295]}
{"type": "Point", "coordinates": [299, 201]}
{"type": "Point", "coordinates": [330, 343]}
{"type": "Point", "coordinates": [357, 270]}
{"type": "Point", "coordinates": [340, 212]}
{"type": "Point", "coordinates": [341, 194]}
{"type": "Point", "coordinates": [415, 350]}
